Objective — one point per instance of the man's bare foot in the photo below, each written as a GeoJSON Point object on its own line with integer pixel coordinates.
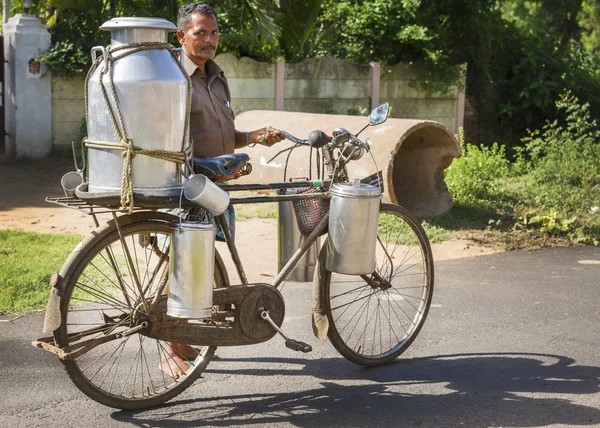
{"type": "Point", "coordinates": [184, 351]}
{"type": "Point", "coordinates": [173, 365]}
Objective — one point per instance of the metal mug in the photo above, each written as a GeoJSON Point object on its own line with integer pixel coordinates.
{"type": "Point", "coordinates": [70, 181]}
{"type": "Point", "coordinates": [206, 194]}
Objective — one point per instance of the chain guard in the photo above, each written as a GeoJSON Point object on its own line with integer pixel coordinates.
{"type": "Point", "coordinates": [246, 327]}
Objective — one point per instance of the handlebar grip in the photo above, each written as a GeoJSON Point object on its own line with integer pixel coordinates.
{"type": "Point", "coordinates": [318, 139]}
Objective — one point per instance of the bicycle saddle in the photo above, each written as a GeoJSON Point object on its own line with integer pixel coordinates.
{"type": "Point", "coordinates": [223, 168]}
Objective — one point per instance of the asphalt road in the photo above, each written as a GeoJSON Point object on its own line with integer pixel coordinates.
{"type": "Point", "coordinates": [512, 340]}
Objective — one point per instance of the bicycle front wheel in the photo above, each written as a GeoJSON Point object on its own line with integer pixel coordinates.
{"type": "Point", "coordinates": [111, 283]}
{"type": "Point", "coordinates": [374, 318]}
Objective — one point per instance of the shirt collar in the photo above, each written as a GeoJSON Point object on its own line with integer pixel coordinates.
{"type": "Point", "coordinates": [210, 68]}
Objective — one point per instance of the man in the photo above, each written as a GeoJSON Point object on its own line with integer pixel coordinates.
{"type": "Point", "coordinates": [212, 125]}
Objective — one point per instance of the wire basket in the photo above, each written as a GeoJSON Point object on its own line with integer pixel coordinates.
{"type": "Point", "coordinates": [309, 212]}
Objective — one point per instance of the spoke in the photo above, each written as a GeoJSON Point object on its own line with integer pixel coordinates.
{"type": "Point", "coordinates": [157, 268]}
{"type": "Point", "coordinates": [109, 351]}
{"type": "Point", "coordinates": [410, 303]}
{"type": "Point", "coordinates": [389, 321]}
{"type": "Point", "coordinates": [392, 303]}
{"type": "Point", "coordinates": [397, 273]}
{"type": "Point", "coordinates": [110, 388]}
{"type": "Point", "coordinates": [79, 299]}
{"type": "Point", "coordinates": [353, 301]}
{"type": "Point", "coordinates": [406, 256]}
{"type": "Point", "coordinates": [135, 257]}
{"type": "Point", "coordinates": [147, 367]}
{"type": "Point", "coordinates": [99, 293]}
{"type": "Point", "coordinates": [116, 269]}
{"type": "Point", "coordinates": [128, 374]}
{"type": "Point", "coordinates": [351, 291]}
{"type": "Point", "coordinates": [348, 307]}
{"type": "Point", "coordinates": [101, 272]}
{"type": "Point", "coordinates": [362, 310]}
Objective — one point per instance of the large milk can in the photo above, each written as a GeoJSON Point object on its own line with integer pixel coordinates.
{"type": "Point", "coordinates": [353, 221]}
{"type": "Point", "coordinates": [191, 270]}
{"type": "Point", "coordinates": [152, 92]}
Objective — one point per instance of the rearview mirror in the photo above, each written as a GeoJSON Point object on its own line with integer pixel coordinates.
{"type": "Point", "coordinates": [379, 114]}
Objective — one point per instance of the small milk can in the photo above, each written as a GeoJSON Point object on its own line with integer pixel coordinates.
{"type": "Point", "coordinates": [353, 219]}
{"type": "Point", "coordinates": [191, 270]}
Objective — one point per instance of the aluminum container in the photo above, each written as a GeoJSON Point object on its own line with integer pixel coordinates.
{"type": "Point", "coordinates": [152, 93]}
{"type": "Point", "coordinates": [353, 219]}
{"type": "Point", "coordinates": [289, 239]}
{"type": "Point", "coordinates": [191, 270]}
{"type": "Point", "coordinates": [206, 194]}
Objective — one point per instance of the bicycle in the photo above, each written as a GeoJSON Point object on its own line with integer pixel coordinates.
{"type": "Point", "coordinates": [108, 303]}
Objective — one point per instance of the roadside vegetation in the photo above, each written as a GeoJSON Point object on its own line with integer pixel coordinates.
{"type": "Point", "coordinates": [545, 192]}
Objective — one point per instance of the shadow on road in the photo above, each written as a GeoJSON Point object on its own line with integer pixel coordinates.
{"type": "Point", "coordinates": [475, 390]}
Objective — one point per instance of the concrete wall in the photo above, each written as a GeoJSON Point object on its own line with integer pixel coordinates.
{"type": "Point", "coordinates": [68, 109]}
{"type": "Point", "coordinates": [317, 86]}
{"type": "Point", "coordinates": [326, 86]}
{"type": "Point", "coordinates": [399, 87]}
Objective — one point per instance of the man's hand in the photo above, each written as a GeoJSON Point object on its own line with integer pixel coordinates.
{"type": "Point", "coordinates": [266, 136]}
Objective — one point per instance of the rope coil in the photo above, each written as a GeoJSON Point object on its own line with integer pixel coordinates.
{"type": "Point", "coordinates": [125, 144]}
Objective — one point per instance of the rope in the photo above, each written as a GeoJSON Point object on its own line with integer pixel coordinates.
{"type": "Point", "coordinates": [125, 143]}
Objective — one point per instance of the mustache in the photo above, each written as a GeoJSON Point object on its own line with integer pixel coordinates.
{"type": "Point", "coordinates": [207, 47]}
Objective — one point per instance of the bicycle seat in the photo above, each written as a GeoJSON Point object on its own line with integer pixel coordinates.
{"type": "Point", "coordinates": [223, 168]}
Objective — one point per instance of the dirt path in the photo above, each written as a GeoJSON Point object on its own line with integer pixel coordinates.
{"type": "Point", "coordinates": [25, 185]}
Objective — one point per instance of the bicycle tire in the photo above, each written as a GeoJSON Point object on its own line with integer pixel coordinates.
{"type": "Point", "coordinates": [410, 278]}
{"type": "Point", "coordinates": [90, 289]}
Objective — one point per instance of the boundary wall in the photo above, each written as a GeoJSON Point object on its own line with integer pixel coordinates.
{"type": "Point", "coordinates": [317, 86]}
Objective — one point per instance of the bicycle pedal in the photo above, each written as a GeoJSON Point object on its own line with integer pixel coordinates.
{"type": "Point", "coordinates": [296, 345]}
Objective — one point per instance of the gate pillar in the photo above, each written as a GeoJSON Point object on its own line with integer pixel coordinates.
{"type": "Point", "coordinates": [28, 89]}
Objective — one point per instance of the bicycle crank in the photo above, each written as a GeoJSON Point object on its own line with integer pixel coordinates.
{"type": "Point", "coordinates": [294, 345]}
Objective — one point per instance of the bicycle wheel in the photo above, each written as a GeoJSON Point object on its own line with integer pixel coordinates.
{"type": "Point", "coordinates": [102, 299]}
{"type": "Point", "coordinates": [373, 318]}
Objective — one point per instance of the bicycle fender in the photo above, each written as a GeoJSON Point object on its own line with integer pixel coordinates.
{"type": "Point", "coordinates": [52, 318]}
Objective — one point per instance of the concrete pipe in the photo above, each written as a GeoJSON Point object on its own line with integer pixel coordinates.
{"type": "Point", "coordinates": [412, 155]}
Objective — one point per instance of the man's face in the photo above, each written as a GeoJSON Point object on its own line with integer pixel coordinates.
{"type": "Point", "coordinates": [201, 38]}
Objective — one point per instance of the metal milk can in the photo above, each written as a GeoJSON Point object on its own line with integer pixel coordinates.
{"type": "Point", "coordinates": [191, 270]}
{"type": "Point", "coordinates": [152, 92]}
{"type": "Point", "coordinates": [353, 221]}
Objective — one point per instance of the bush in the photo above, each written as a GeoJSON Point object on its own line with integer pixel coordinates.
{"type": "Point", "coordinates": [476, 175]}
{"type": "Point", "coordinates": [565, 169]}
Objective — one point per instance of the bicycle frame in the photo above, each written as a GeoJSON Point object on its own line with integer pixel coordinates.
{"type": "Point", "coordinates": [306, 242]}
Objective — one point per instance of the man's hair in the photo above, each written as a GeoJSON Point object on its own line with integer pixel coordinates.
{"type": "Point", "coordinates": [185, 13]}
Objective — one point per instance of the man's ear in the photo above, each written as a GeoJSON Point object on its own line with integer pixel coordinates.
{"type": "Point", "coordinates": [181, 36]}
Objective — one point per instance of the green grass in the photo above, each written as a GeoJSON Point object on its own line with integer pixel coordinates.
{"type": "Point", "coordinates": [27, 260]}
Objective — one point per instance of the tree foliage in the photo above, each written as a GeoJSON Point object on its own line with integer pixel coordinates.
{"type": "Point", "coordinates": [520, 54]}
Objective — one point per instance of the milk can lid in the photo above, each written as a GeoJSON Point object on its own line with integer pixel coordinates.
{"type": "Point", "coordinates": [360, 190]}
{"type": "Point", "coordinates": [132, 22]}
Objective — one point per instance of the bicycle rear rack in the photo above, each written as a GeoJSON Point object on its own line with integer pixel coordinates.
{"type": "Point", "coordinates": [84, 206]}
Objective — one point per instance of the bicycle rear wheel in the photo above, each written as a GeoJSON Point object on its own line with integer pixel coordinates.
{"type": "Point", "coordinates": [374, 318]}
{"type": "Point", "coordinates": [102, 301]}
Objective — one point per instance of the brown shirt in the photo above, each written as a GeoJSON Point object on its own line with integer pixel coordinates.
{"type": "Point", "coordinates": [212, 126]}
